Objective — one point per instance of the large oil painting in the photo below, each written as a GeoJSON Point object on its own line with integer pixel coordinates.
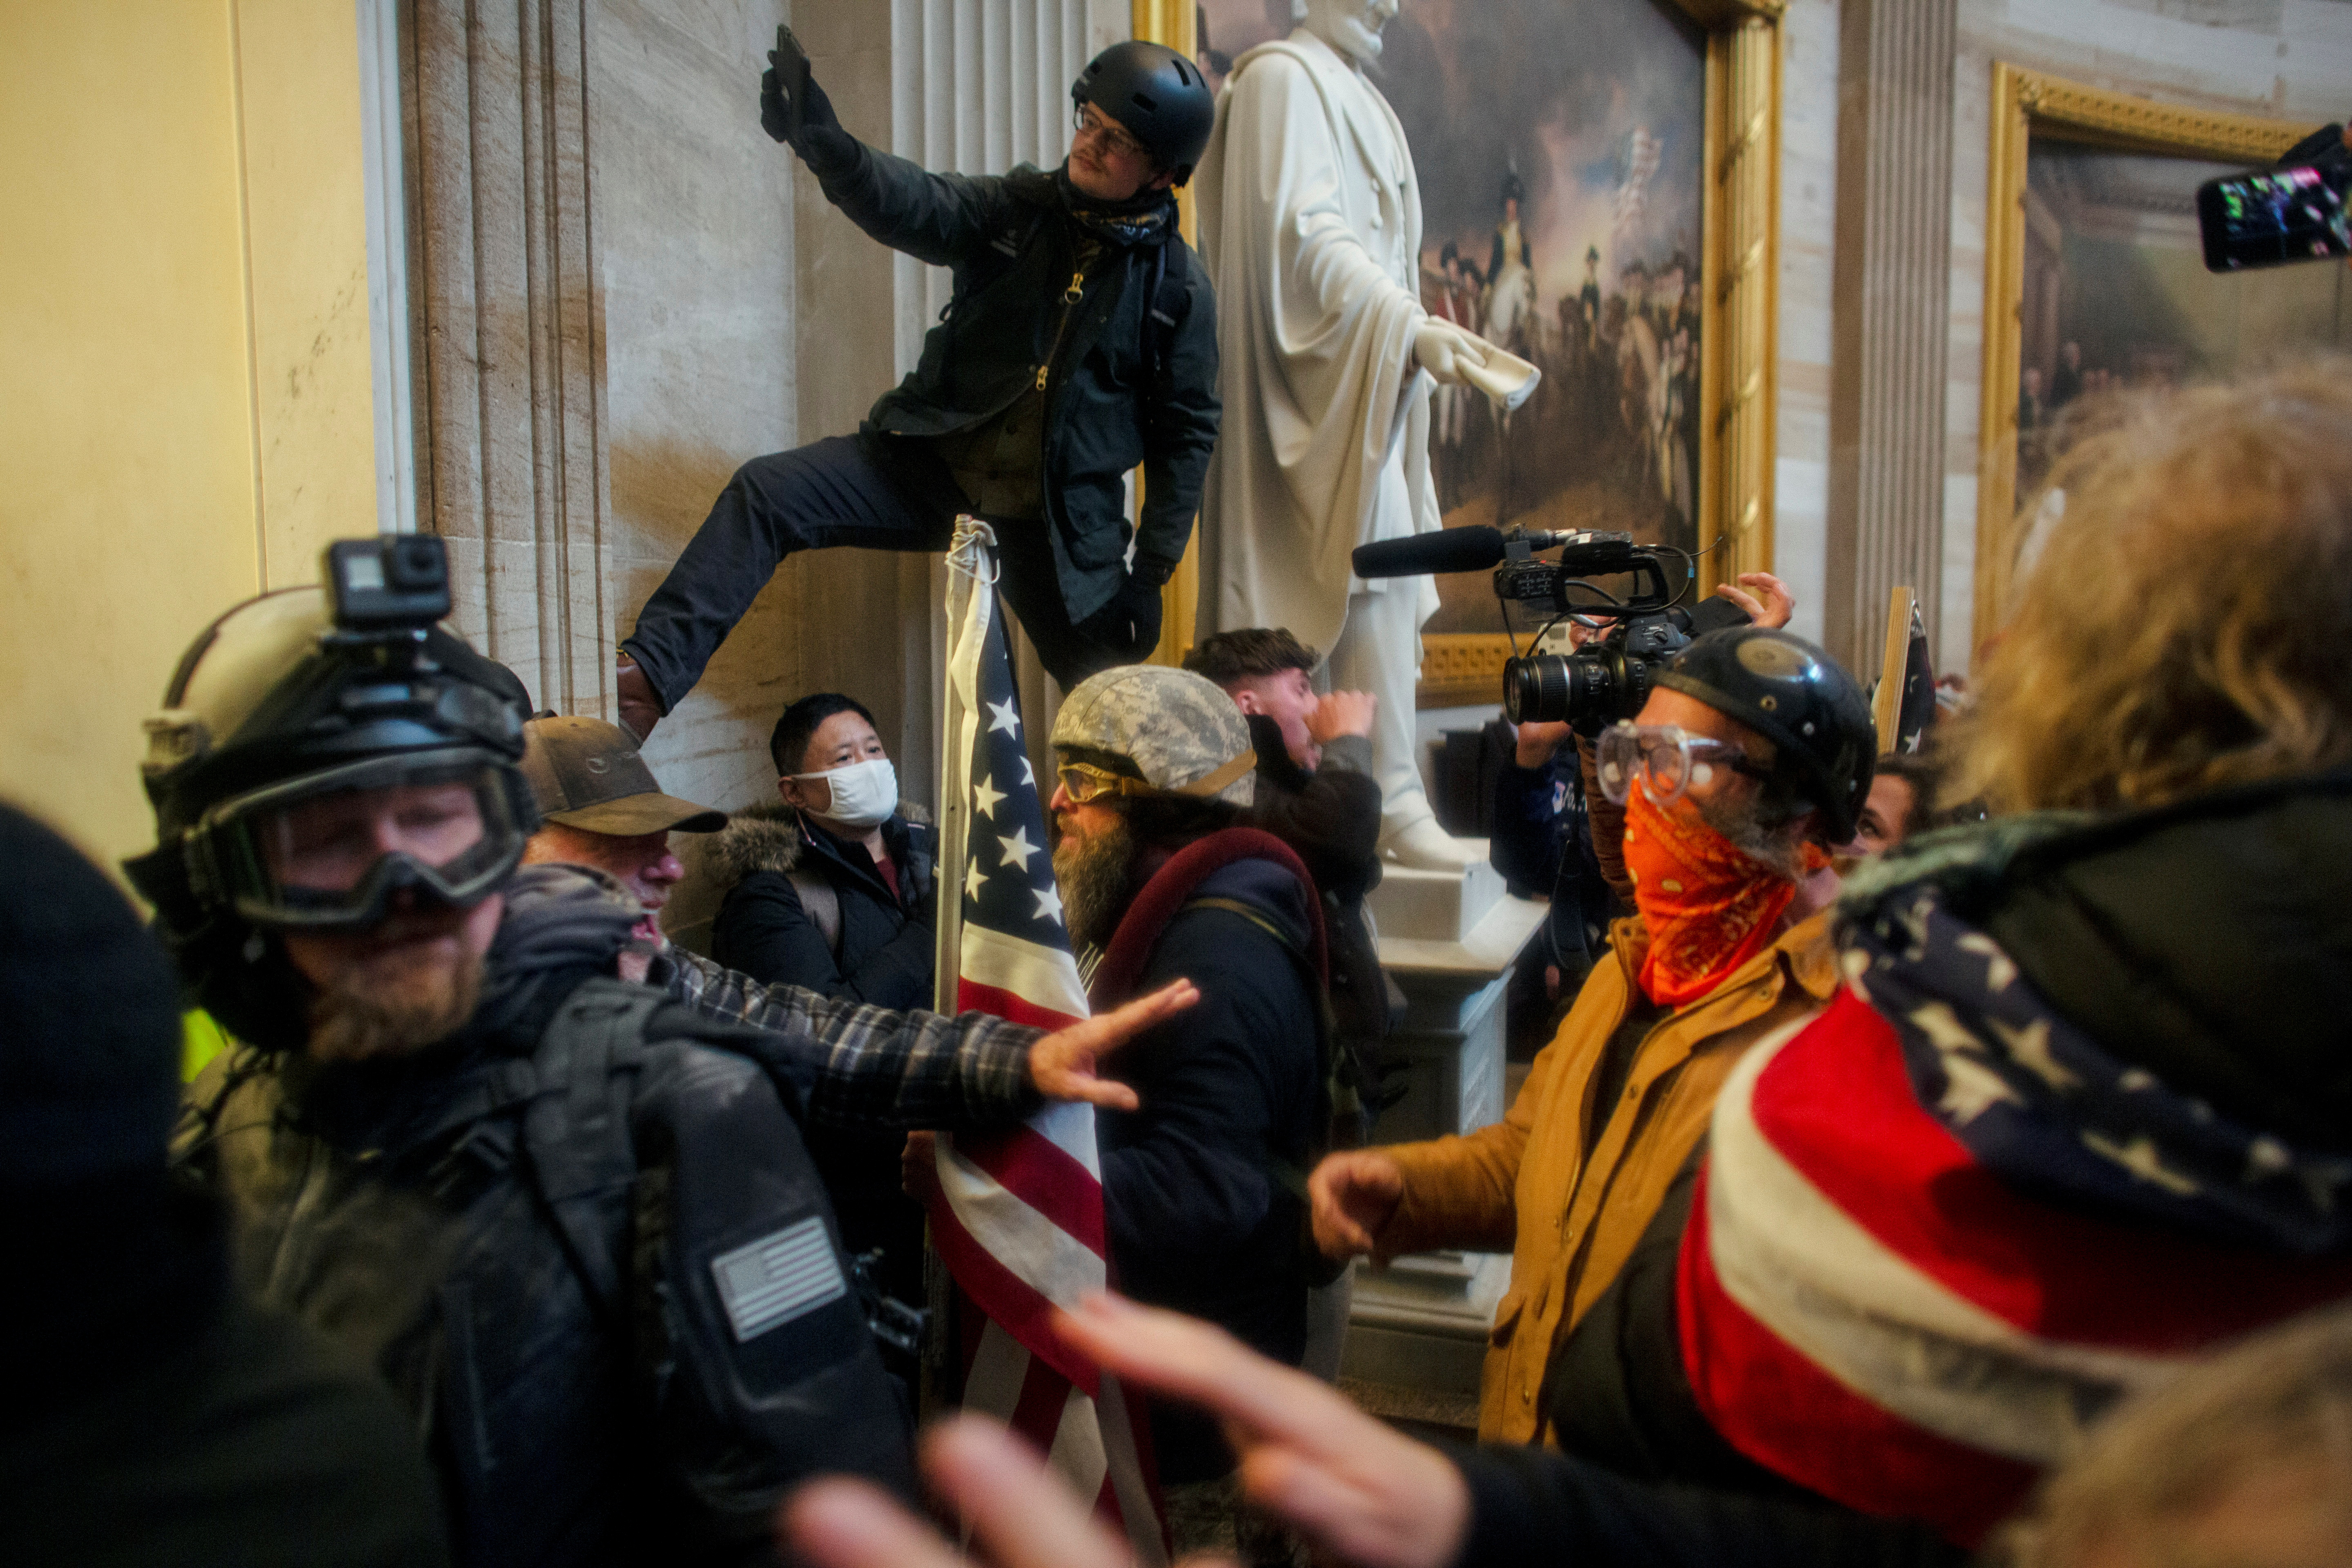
{"type": "Point", "coordinates": [2115, 291]}
{"type": "Point", "coordinates": [1559, 145]}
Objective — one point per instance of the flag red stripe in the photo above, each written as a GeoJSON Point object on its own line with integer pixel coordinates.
{"type": "Point", "coordinates": [1041, 1173]}
{"type": "Point", "coordinates": [1007, 1297]}
{"type": "Point", "coordinates": [1785, 1413]}
{"type": "Point", "coordinates": [972, 996]}
{"type": "Point", "coordinates": [1838, 1104]}
{"type": "Point", "coordinates": [1037, 1414]}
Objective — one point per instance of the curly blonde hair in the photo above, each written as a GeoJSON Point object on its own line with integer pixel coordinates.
{"type": "Point", "coordinates": [2188, 625]}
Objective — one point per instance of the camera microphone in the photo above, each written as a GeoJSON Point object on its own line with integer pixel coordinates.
{"type": "Point", "coordinates": [1471, 549]}
{"type": "Point", "coordinates": [1442, 549]}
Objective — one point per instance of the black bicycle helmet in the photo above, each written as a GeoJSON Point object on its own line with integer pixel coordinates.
{"type": "Point", "coordinates": [1796, 697]}
{"type": "Point", "coordinates": [1158, 95]}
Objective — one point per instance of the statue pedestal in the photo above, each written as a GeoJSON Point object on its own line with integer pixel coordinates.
{"type": "Point", "coordinates": [1417, 1329]}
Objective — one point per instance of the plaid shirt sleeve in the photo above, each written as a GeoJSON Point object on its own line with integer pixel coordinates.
{"type": "Point", "coordinates": [871, 1066]}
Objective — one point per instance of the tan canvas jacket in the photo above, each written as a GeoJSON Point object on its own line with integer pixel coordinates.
{"type": "Point", "coordinates": [1569, 1190]}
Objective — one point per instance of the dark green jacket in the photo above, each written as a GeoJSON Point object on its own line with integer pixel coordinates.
{"type": "Point", "coordinates": [1012, 247]}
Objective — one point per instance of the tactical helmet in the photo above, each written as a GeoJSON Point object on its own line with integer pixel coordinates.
{"type": "Point", "coordinates": [1158, 95]}
{"type": "Point", "coordinates": [1180, 730]}
{"type": "Point", "coordinates": [1795, 696]}
{"type": "Point", "coordinates": [282, 715]}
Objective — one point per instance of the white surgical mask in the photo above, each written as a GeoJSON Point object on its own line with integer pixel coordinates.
{"type": "Point", "coordinates": [864, 794]}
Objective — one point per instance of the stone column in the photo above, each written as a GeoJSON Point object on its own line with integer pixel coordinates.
{"type": "Point", "coordinates": [1891, 319]}
{"type": "Point", "coordinates": [512, 467]}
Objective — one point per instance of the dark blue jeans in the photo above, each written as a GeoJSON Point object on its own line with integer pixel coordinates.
{"type": "Point", "coordinates": [872, 492]}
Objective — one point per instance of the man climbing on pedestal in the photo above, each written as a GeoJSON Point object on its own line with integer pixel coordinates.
{"type": "Point", "coordinates": [1081, 341]}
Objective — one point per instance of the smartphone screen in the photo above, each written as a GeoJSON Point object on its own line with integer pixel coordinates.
{"type": "Point", "coordinates": [2275, 215]}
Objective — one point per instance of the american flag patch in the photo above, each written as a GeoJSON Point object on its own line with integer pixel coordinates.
{"type": "Point", "coordinates": [778, 1278]}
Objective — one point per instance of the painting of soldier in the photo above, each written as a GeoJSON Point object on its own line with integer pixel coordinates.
{"type": "Point", "coordinates": [1557, 147]}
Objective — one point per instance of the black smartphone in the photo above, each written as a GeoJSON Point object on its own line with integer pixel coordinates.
{"type": "Point", "coordinates": [2292, 213]}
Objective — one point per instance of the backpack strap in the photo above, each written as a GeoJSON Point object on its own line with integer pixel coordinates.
{"type": "Point", "coordinates": [577, 1128]}
{"type": "Point", "coordinates": [821, 901]}
{"type": "Point", "coordinates": [1165, 306]}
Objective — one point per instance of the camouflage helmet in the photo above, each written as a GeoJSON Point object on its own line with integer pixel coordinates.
{"type": "Point", "coordinates": [1180, 730]}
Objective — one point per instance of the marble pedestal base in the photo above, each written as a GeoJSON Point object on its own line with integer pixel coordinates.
{"type": "Point", "coordinates": [1417, 1329]}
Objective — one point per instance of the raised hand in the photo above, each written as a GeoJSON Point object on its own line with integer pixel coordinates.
{"type": "Point", "coordinates": [1023, 1514]}
{"type": "Point", "coordinates": [1063, 1065]}
{"type": "Point", "coordinates": [1357, 1490]}
{"type": "Point", "coordinates": [1339, 713]}
{"type": "Point", "coordinates": [1353, 1194]}
{"type": "Point", "coordinates": [1771, 605]}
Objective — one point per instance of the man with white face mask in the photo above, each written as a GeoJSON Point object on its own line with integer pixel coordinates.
{"type": "Point", "coordinates": [833, 888]}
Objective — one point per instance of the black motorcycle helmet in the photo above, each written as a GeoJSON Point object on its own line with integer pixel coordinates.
{"type": "Point", "coordinates": [1158, 95]}
{"type": "Point", "coordinates": [281, 709]}
{"type": "Point", "coordinates": [1796, 697]}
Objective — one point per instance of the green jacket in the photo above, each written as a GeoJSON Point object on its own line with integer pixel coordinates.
{"type": "Point", "coordinates": [1012, 247]}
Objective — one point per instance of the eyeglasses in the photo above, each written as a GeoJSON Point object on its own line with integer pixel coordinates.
{"type": "Point", "coordinates": [1667, 761]}
{"type": "Point", "coordinates": [1084, 782]}
{"type": "Point", "coordinates": [1085, 118]}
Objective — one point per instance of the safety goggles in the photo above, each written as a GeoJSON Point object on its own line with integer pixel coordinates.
{"type": "Point", "coordinates": [1083, 782]}
{"type": "Point", "coordinates": [1667, 761]}
{"type": "Point", "coordinates": [328, 850]}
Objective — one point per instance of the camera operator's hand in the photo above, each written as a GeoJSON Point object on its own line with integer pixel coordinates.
{"type": "Point", "coordinates": [1441, 348]}
{"type": "Point", "coordinates": [1537, 742]}
{"type": "Point", "coordinates": [1339, 713]}
{"type": "Point", "coordinates": [793, 108]}
{"type": "Point", "coordinates": [1771, 605]}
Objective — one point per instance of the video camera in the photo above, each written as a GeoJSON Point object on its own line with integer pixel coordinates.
{"type": "Point", "coordinates": [1602, 683]}
{"type": "Point", "coordinates": [2294, 210]}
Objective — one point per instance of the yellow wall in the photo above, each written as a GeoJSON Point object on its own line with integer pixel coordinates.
{"type": "Point", "coordinates": [184, 396]}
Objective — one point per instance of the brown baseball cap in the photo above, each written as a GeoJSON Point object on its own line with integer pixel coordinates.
{"type": "Point", "coordinates": [586, 773]}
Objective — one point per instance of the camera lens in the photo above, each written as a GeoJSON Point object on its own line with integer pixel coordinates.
{"type": "Point", "coordinates": [1545, 688]}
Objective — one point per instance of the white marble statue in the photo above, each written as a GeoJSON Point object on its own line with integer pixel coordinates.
{"type": "Point", "coordinates": [1311, 223]}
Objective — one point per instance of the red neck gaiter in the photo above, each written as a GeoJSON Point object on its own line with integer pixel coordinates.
{"type": "Point", "coordinates": [1709, 905]}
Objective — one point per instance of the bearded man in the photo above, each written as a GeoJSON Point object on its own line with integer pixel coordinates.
{"type": "Point", "coordinates": [1752, 754]}
{"type": "Point", "coordinates": [568, 1220]}
{"type": "Point", "coordinates": [1158, 878]}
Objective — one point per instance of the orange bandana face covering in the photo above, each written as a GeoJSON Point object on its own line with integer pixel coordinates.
{"type": "Point", "coordinates": [1709, 905]}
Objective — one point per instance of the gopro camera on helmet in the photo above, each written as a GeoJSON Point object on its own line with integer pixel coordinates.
{"type": "Point", "coordinates": [393, 582]}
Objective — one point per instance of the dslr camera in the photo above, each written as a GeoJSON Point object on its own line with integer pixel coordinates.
{"type": "Point", "coordinates": [1605, 680]}
{"type": "Point", "coordinates": [1609, 677]}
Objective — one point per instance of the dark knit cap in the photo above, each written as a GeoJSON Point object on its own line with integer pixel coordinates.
{"type": "Point", "coordinates": [89, 1047]}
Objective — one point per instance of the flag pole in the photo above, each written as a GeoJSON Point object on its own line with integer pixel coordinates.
{"type": "Point", "coordinates": [970, 571]}
{"type": "Point", "coordinates": [1887, 711]}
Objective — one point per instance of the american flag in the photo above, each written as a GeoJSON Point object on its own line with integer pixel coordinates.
{"type": "Point", "coordinates": [1019, 1221]}
{"type": "Point", "coordinates": [1890, 1298]}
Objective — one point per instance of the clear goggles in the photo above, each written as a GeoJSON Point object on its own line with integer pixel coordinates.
{"type": "Point", "coordinates": [329, 849]}
{"type": "Point", "coordinates": [1665, 759]}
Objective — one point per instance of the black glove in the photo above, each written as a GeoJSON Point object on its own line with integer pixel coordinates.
{"type": "Point", "coordinates": [1131, 619]}
{"type": "Point", "coordinates": [793, 108]}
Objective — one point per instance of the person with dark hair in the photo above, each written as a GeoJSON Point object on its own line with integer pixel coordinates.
{"type": "Point", "coordinates": [153, 1413]}
{"type": "Point", "coordinates": [834, 887]}
{"type": "Point", "coordinates": [1160, 877]}
{"type": "Point", "coordinates": [1316, 793]}
{"type": "Point", "coordinates": [1081, 346]}
{"type": "Point", "coordinates": [1902, 803]}
{"type": "Point", "coordinates": [1751, 756]}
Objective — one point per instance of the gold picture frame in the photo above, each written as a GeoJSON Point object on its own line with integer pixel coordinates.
{"type": "Point", "coordinates": [1739, 270]}
{"type": "Point", "coordinates": [1739, 278]}
{"type": "Point", "coordinates": [2027, 104]}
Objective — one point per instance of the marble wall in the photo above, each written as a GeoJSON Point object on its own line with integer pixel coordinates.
{"type": "Point", "coordinates": [2289, 59]}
